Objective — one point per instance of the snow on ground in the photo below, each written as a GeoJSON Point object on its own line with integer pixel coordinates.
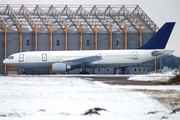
{"type": "Point", "coordinates": [154, 76]}
{"type": "Point", "coordinates": [67, 98]}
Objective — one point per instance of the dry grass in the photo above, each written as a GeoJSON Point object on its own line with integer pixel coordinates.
{"type": "Point", "coordinates": [173, 81]}
{"type": "Point", "coordinates": [169, 98]}
{"type": "Point", "coordinates": [171, 103]}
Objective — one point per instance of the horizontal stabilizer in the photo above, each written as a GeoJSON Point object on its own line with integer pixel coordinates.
{"type": "Point", "coordinates": [157, 53]}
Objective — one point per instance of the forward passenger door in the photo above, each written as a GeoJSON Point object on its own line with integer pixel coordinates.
{"type": "Point", "coordinates": [21, 57]}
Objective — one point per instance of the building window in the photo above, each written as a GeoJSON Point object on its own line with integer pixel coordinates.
{"type": "Point", "coordinates": [117, 42]}
{"type": "Point", "coordinates": [57, 42]}
{"type": "Point", "coordinates": [87, 43]}
{"type": "Point", "coordinates": [27, 42]}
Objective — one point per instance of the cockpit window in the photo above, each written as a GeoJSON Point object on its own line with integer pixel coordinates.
{"type": "Point", "coordinates": [11, 57]}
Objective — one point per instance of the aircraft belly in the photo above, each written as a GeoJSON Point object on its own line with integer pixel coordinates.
{"type": "Point", "coordinates": [38, 65]}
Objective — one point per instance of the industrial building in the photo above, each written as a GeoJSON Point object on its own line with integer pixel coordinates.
{"type": "Point", "coordinates": [73, 27]}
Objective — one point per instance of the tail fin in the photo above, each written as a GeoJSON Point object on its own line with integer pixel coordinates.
{"type": "Point", "coordinates": [160, 39]}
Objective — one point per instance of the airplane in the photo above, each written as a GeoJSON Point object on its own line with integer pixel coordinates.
{"type": "Point", "coordinates": [63, 61]}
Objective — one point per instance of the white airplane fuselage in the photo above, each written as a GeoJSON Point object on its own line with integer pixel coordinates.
{"type": "Point", "coordinates": [45, 59]}
{"type": "Point", "coordinates": [62, 61]}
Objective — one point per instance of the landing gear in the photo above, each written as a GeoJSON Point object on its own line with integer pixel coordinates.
{"type": "Point", "coordinates": [26, 71]}
{"type": "Point", "coordinates": [83, 70]}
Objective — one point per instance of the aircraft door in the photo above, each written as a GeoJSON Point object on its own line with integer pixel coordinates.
{"type": "Point", "coordinates": [135, 55]}
{"type": "Point", "coordinates": [21, 57]}
{"type": "Point", "coordinates": [44, 57]}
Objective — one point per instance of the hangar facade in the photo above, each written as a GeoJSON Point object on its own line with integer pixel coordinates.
{"type": "Point", "coordinates": [73, 27]}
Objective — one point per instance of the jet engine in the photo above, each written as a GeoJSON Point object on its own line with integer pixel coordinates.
{"type": "Point", "coordinates": [60, 67]}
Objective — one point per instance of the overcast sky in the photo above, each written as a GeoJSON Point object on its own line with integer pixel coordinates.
{"type": "Point", "coordinates": [160, 11]}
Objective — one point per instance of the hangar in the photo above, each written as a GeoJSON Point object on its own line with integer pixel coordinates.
{"type": "Point", "coordinates": [74, 27]}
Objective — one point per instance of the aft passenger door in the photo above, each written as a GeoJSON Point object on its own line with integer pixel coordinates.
{"type": "Point", "coordinates": [135, 55]}
{"type": "Point", "coordinates": [44, 57]}
{"type": "Point", "coordinates": [21, 57]}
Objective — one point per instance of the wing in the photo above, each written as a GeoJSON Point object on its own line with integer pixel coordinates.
{"type": "Point", "coordinates": [85, 60]}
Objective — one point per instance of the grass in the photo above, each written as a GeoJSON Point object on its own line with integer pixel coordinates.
{"type": "Point", "coordinates": [173, 81]}
{"type": "Point", "coordinates": [169, 98]}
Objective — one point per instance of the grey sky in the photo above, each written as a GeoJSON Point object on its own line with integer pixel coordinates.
{"type": "Point", "coordinates": [160, 11]}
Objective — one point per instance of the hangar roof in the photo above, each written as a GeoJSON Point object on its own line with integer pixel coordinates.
{"type": "Point", "coordinates": [88, 17]}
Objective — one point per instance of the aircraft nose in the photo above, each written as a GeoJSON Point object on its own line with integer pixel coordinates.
{"type": "Point", "coordinates": [4, 61]}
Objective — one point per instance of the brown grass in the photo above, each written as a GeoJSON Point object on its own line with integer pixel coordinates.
{"type": "Point", "coordinates": [173, 81]}
{"type": "Point", "coordinates": [169, 98]}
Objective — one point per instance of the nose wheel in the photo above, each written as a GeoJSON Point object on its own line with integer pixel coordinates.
{"type": "Point", "coordinates": [26, 71]}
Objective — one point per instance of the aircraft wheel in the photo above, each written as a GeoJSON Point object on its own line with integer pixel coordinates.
{"type": "Point", "coordinates": [84, 72]}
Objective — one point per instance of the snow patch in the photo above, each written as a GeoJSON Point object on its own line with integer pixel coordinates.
{"type": "Point", "coordinates": [67, 98]}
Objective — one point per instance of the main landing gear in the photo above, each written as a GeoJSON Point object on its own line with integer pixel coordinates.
{"type": "Point", "coordinates": [83, 70]}
{"type": "Point", "coordinates": [26, 71]}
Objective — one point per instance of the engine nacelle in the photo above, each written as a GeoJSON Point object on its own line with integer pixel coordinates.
{"type": "Point", "coordinates": [60, 67]}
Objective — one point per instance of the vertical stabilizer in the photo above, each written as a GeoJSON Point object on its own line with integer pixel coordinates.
{"type": "Point", "coordinates": [160, 39]}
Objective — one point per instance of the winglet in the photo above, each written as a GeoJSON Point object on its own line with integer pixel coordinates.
{"type": "Point", "coordinates": [160, 39]}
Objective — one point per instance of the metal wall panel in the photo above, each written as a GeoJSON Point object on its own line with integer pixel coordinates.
{"type": "Point", "coordinates": [103, 41]}
{"type": "Point", "coordinates": [43, 42]}
{"type": "Point", "coordinates": [133, 41]}
{"type": "Point", "coordinates": [115, 41]}
{"type": "Point", "coordinates": [90, 70]}
{"type": "Point", "coordinates": [146, 37]}
{"type": "Point", "coordinates": [137, 70]}
{"type": "Point", "coordinates": [88, 41]}
{"type": "Point", "coordinates": [75, 71]}
{"type": "Point", "coordinates": [149, 65]}
{"type": "Point", "coordinates": [159, 63]}
{"type": "Point", "coordinates": [12, 72]}
{"type": "Point", "coordinates": [104, 70]}
{"type": "Point", "coordinates": [12, 43]}
{"type": "Point", "coordinates": [28, 42]}
{"type": "Point", "coordinates": [42, 72]}
{"type": "Point", "coordinates": [58, 41]}
{"type": "Point", "coordinates": [1, 52]}
{"type": "Point", "coordinates": [73, 41]}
